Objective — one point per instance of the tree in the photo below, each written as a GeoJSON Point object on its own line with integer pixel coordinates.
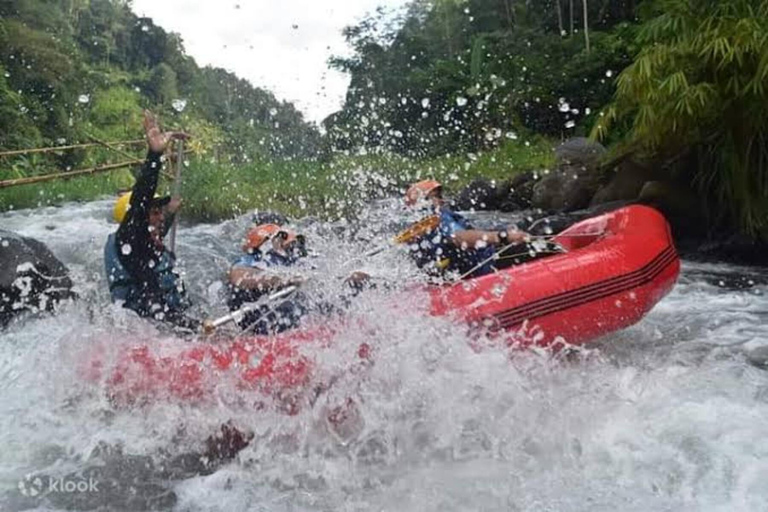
{"type": "Point", "coordinates": [698, 92]}
{"type": "Point", "coordinates": [586, 24]}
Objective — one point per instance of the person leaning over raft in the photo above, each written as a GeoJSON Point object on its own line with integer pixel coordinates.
{"type": "Point", "coordinates": [140, 268]}
{"type": "Point", "coordinates": [270, 249]}
{"type": "Point", "coordinates": [452, 245]}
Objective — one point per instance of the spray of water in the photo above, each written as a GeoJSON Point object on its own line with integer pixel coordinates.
{"type": "Point", "coordinates": [669, 414]}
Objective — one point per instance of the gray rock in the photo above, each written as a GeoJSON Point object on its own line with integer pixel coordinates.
{"type": "Point", "coordinates": [566, 189]}
{"type": "Point", "coordinates": [482, 194]}
{"type": "Point", "coordinates": [579, 151]}
{"type": "Point", "coordinates": [520, 194]}
{"type": "Point", "coordinates": [626, 183]}
{"type": "Point", "coordinates": [575, 181]}
{"type": "Point", "coordinates": [31, 278]}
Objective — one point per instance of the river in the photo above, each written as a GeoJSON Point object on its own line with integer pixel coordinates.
{"type": "Point", "coordinates": [670, 414]}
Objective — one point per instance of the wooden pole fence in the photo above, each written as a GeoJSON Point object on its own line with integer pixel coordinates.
{"type": "Point", "coordinates": [64, 148]}
{"type": "Point", "coordinates": [72, 174]}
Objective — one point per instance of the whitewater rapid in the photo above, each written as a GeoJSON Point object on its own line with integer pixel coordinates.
{"type": "Point", "coordinates": [670, 414]}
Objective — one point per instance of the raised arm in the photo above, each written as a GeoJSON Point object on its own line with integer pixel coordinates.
{"type": "Point", "coordinates": [256, 279]}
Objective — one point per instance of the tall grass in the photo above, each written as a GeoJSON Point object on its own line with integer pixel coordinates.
{"type": "Point", "coordinates": [213, 190]}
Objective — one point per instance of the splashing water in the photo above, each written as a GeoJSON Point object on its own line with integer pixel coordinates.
{"type": "Point", "coordinates": [668, 414]}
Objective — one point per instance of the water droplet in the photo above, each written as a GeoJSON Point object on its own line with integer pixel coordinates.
{"type": "Point", "coordinates": [461, 101]}
{"type": "Point", "coordinates": [84, 98]}
{"type": "Point", "coordinates": [609, 73]}
{"type": "Point", "coordinates": [425, 103]}
{"type": "Point", "coordinates": [273, 112]}
{"type": "Point", "coordinates": [511, 135]}
{"type": "Point", "coordinates": [179, 105]}
{"type": "Point", "coordinates": [564, 107]}
{"type": "Point", "coordinates": [145, 28]}
{"type": "Point", "coordinates": [570, 124]}
{"type": "Point", "coordinates": [126, 249]}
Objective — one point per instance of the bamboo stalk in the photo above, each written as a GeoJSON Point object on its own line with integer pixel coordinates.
{"type": "Point", "coordinates": [64, 148]}
{"type": "Point", "coordinates": [71, 174]}
{"type": "Point", "coordinates": [586, 25]}
{"type": "Point", "coordinates": [66, 175]}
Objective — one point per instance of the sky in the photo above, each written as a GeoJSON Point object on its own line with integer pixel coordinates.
{"type": "Point", "coordinates": [279, 45]}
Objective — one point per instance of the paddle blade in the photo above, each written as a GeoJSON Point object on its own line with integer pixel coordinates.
{"type": "Point", "coordinates": [418, 229]}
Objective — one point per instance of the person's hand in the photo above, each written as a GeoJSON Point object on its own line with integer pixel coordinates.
{"type": "Point", "coordinates": [157, 139]}
{"type": "Point", "coordinates": [515, 236]}
{"type": "Point", "coordinates": [358, 278]}
{"type": "Point", "coordinates": [295, 281]}
{"type": "Point", "coordinates": [173, 205]}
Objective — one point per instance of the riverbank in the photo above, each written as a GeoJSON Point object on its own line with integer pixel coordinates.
{"type": "Point", "coordinates": [216, 190]}
{"type": "Point", "coordinates": [534, 174]}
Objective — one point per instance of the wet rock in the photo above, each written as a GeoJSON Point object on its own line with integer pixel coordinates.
{"type": "Point", "coordinates": [733, 248]}
{"type": "Point", "coordinates": [520, 196]}
{"type": "Point", "coordinates": [31, 278]}
{"type": "Point", "coordinates": [626, 183]}
{"type": "Point", "coordinates": [482, 194]}
{"type": "Point", "coordinates": [573, 184]}
{"type": "Point", "coordinates": [758, 357]}
{"type": "Point", "coordinates": [681, 206]}
{"type": "Point", "coordinates": [579, 151]}
{"type": "Point", "coordinates": [506, 196]}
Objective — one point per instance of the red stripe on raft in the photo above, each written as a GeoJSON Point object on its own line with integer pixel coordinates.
{"type": "Point", "coordinates": [589, 293]}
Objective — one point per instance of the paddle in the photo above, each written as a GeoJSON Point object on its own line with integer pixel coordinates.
{"type": "Point", "coordinates": [211, 325]}
{"type": "Point", "coordinates": [412, 232]}
{"type": "Point", "coordinates": [177, 189]}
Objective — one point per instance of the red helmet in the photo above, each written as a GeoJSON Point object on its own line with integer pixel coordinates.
{"type": "Point", "coordinates": [256, 237]}
{"type": "Point", "coordinates": [420, 190]}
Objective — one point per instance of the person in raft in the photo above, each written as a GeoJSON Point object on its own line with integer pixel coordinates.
{"type": "Point", "coordinates": [139, 267]}
{"type": "Point", "coordinates": [270, 250]}
{"type": "Point", "coordinates": [445, 242]}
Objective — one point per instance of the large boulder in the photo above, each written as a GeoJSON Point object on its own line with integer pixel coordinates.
{"type": "Point", "coordinates": [507, 196]}
{"type": "Point", "coordinates": [626, 182]}
{"type": "Point", "coordinates": [31, 278]}
{"type": "Point", "coordinates": [520, 196]}
{"type": "Point", "coordinates": [482, 194]}
{"type": "Point", "coordinates": [683, 208]}
{"type": "Point", "coordinates": [579, 151]}
{"type": "Point", "coordinates": [575, 180]}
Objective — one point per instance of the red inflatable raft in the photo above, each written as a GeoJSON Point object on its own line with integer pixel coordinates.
{"type": "Point", "coordinates": [616, 268]}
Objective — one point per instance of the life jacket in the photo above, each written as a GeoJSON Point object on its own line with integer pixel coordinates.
{"type": "Point", "coordinates": [437, 254]}
{"type": "Point", "coordinates": [125, 288]}
{"type": "Point", "coordinates": [269, 318]}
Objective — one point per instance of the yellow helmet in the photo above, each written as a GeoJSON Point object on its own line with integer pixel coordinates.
{"type": "Point", "coordinates": [121, 207]}
{"type": "Point", "coordinates": [124, 202]}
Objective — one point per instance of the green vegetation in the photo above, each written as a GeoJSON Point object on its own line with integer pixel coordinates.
{"type": "Point", "coordinates": [460, 75]}
{"type": "Point", "coordinates": [336, 189]}
{"type": "Point", "coordinates": [215, 190]}
{"type": "Point", "coordinates": [453, 89]}
{"type": "Point", "coordinates": [71, 69]}
{"type": "Point", "coordinates": [698, 93]}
